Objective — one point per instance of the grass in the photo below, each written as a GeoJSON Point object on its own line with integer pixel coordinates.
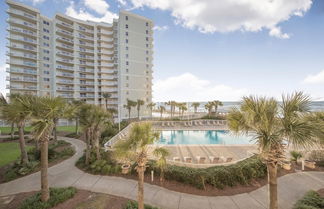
{"type": "Point", "coordinates": [9, 152]}
{"type": "Point", "coordinates": [7, 130]}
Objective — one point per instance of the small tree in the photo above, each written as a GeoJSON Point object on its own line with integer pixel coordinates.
{"type": "Point", "coordinates": [151, 106]}
{"type": "Point", "coordinates": [195, 105]}
{"type": "Point", "coordinates": [161, 110]}
{"type": "Point", "coordinates": [216, 104]}
{"type": "Point", "coordinates": [161, 153]}
{"type": "Point", "coordinates": [139, 103]}
{"type": "Point", "coordinates": [209, 108]}
{"type": "Point", "coordinates": [141, 135]}
{"type": "Point", "coordinates": [106, 96]}
{"type": "Point", "coordinates": [129, 105]}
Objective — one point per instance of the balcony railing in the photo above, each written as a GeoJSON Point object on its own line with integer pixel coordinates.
{"type": "Point", "coordinates": [24, 23]}
{"type": "Point", "coordinates": [20, 30]}
{"type": "Point", "coordinates": [22, 13]}
{"type": "Point", "coordinates": [22, 79]}
{"type": "Point", "coordinates": [22, 46]}
{"type": "Point", "coordinates": [22, 87]}
{"type": "Point", "coordinates": [18, 70]}
{"type": "Point", "coordinates": [64, 67]}
{"type": "Point", "coordinates": [17, 54]}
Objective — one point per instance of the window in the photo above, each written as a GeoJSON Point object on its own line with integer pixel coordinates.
{"type": "Point", "coordinates": [146, 31]}
{"type": "Point", "coordinates": [147, 59]}
{"type": "Point", "coordinates": [126, 26]}
{"type": "Point", "coordinates": [46, 65]}
{"type": "Point", "coordinates": [126, 47]}
{"type": "Point", "coordinates": [147, 52]}
{"type": "Point", "coordinates": [126, 41]}
{"type": "Point", "coordinates": [46, 79]}
{"type": "Point", "coordinates": [147, 45]}
{"type": "Point", "coordinates": [46, 58]}
{"type": "Point", "coordinates": [127, 63]}
{"type": "Point", "coordinates": [147, 65]}
{"type": "Point", "coordinates": [126, 33]}
{"type": "Point", "coordinates": [126, 77]}
{"type": "Point", "coordinates": [45, 30]}
{"type": "Point", "coordinates": [127, 56]}
{"type": "Point", "coordinates": [126, 17]}
{"type": "Point", "coordinates": [46, 72]}
{"type": "Point", "coordinates": [45, 44]}
{"type": "Point", "coordinates": [127, 85]}
{"type": "Point", "coordinates": [45, 22]}
{"type": "Point", "coordinates": [146, 38]}
{"type": "Point", "coordinates": [46, 37]}
{"type": "Point", "coordinates": [126, 70]}
{"type": "Point", "coordinates": [146, 23]}
{"type": "Point", "coordinates": [46, 51]}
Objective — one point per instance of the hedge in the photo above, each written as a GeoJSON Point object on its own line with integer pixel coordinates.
{"type": "Point", "coordinates": [134, 205]}
{"type": "Point", "coordinates": [217, 176]}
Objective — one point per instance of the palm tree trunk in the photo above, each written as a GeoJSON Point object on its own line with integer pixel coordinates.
{"type": "Point", "coordinates": [106, 100]}
{"type": "Point", "coordinates": [140, 197]}
{"type": "Point", "coordinates": [12, 132]}
{"type": "Point", "coordinates": [55, 130]}
{"type": "Point", "coordinates": [138, 113]}
{"type": "Point", "coordinates": [44, 166]}
{"type": "Point", "coordinates": [24, 156]}
{"type": "Point", "coordinates": [129, 112]}
{"type": "Point", "coordinates": [96, 133]}
{"type": "Point", "coordinates": [88, 147]}
{"type": "Point", "coordinates": [76, 126]}
{"type": "Point", "coordinates": [272, 179]}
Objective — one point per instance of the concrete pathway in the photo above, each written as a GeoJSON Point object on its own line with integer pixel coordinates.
{"type": "Point", "coordinates": [291, 188]}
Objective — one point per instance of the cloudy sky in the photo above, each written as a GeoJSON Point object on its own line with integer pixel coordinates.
{"type": "Point", "coordinates": [207, 49]}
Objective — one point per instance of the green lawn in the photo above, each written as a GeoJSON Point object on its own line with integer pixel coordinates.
{"type": "Point", "coordinates": [6, 130]}
{"type": "Point", "coordinates": [9, 152]}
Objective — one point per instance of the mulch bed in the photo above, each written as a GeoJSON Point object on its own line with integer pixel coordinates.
{"type": "Point", "coordinates": [81, 200]}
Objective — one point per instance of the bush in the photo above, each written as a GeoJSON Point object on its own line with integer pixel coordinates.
{"type": "Point", "coordinates": [133, 205]}
{"type": "Point", "coordinates": [295, 155]}
{"type": "Point", "coordinates": [57, 195]}
{"type": "Point", "coordinates": [35, 154]}
{"type": "Point", "coordinates": [318, 157]}
{"type": "Point", "coordinates": [218, 176]}
{"type": "Point", "coordinates": [311, 200]}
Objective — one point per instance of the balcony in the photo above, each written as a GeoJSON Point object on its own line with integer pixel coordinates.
{"type": "Point", "coordinates": [107, 77]}
{"type": "Point", "coordinates": [105, 64]}
{"type": "Point", "coordinates": [88, 38]}
{"type": "Point", "coordinates": [22, 47]}
{"type": "Point", "coordinates": [22, 55]}
{"type": "Point", "coordinates": [87, 89]}
{"type": "Point", "coordinates": [65, 88]}
{"type": "Point", "coordinates": [21, 62]}
{"type": "Point", "coordinates": [22, 39]}
{"type": "Point", "coordinates": [64, 32]}
{"type": "Point", "coordinates": [64, 24]}
{"type": "Point", "coordinates": [83, 56]}
{"type": "Point", "coordinates": [22, 14]}
{"type": "Point", "coordinates": [86, 70]}
{"type": "Point", "coordinates": [65, 60]}
{"type": "Point", "coordinates": [87, 96]}
{"type": "Point", "coordinates": [105, 32]}
{"type": "Point", "coordinates": [70, 75]}
{"type": "Point", "coordinates": [19, 70]}
{"type": "Point", "coordinates": [86, 50]}
{"type": "Point", "coordinates": [63, 39]}
{"type": "Point", "coordinates": [32, 88]}
{"type": "Point", "coordinates": [89, 83]}
{"type": "Point", "coordinates": [87, 63]}
{"type": "Point", "coordinates": [65, 81]}
{"type": "Point", "coordinates": [63, 67]}
{"type": "Point", "coordinates": [21, 79]}
{"type": "Point", "coordinates": [105, 39]}
{"type": "Point", "coordinates": [22, 23]}
{"type": "Point", "coordinates": [107, 46]}
{"type": "Point", "coordinates": [107, 52]}
{"type": "Point", "coordinates": [65, 46]}
{"type": "Point", "coordinates": [65, 95]}
{"type": "Point", "coordinates": [108, 71]}
{"type": "Point", "coordinates": [83, 29]}
{"type": "Point", "coordinates": [21, 31]}
{"type": "Point", "coordinates": [64, 53]}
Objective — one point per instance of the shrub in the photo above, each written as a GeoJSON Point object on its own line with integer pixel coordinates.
{"type": "Point", "coordinates": [133, 205]}
{"type": "Point", "coordinates": [57, 195]}
{"type": "Point", "coordinates": [295, 155]}
{"type": "Point", "coordinates": [311, 200]}
{"type": "Point", "coordinates": [218, 176]}
{"type": "Point", "coordinates": [35, 154]}
{"type": "Point", "coordinates": [318, 157]}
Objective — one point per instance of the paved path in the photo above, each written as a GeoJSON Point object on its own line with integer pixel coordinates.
{"type": "Point", "coordinates": [291, 188]}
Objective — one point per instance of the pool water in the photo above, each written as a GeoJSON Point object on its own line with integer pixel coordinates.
{"type": "Point", "coordinates": [201, 137]}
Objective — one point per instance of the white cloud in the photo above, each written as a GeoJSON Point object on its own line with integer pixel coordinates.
{"type": "Point", "coordinates": [315, 79]}
{"type": "Point", "coordinates": [276, 32]}
{"type": "Point", "coordinates": [81, 13]}
{"type": "Point", "coordinates": [161, 28]}
{"type": "Point", "coordinates": [209, 16]}
{"type": "Point", "coordinates": [188, 87]}
{"type": "Point", "coordinates": [100, 6]}
{"type": "Point", "coordinates": [122, 2]}
{"type": "Point", "coordinates": [37, 1]}
{"type": "Point", "coordinates": [3, 75]}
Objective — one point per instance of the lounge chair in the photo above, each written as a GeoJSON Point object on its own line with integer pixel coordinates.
{"type": "Point", "coordinates": [176, 159]}
{"type": "Point", "coordinates": [214, 159]}
{"type": "Point", "coordinates": [201, 160]}
{"type": "Point", "coordinates": [229, 159]}
{"type": "Point", "coordinates": [187, 159]}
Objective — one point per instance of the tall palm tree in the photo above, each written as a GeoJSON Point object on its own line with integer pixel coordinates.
{"type": "Point", "coordinates": [129, 105]}
{"type": "Point", "coordinates": [76, 114]}
{"type": "Point", "coordinates": [209, 108]}
{"type": "Point", "coordinates": [274, 125]}
{"type": "Point", "coordinates": [139, 103]}
{"type": "Point", "coordinates": [195, 105]}
{"type": "Point", "coordinates": [18, 113]}
{"type": "Point", "coordinates": [106, 96]}
{"type": "Point", "coordinates": [151, 105]}
{"type": "Point", "coordinates": [161, 153]}
{"type": "Point", "coordinates": [141, 135]}
{"type": "Point", "coordinates": [216, 104]}
{"type": "Point", "coordinates": [183, 108]}
{"type": "Point", "coordinates": [161, 110]}
{"type": "Point", "coordinates": [44, 111]}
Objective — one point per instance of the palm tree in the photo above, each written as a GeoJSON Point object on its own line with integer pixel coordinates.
{"type": "Point", "coordinates": [151, 105]}
{"type": "Point", "coordinates": [77, 104]}
{"type": "Point", "coordinates": [161, 110]}
{"type": "Point", "coordinates": [139, 103]}
{"type": "Point", "coordinates": [17, 112]}
{"type": "Point", "coordinates": [106, 96]}
{"type": "Point", "coordinates": [172, 105]}
{"type": "Point", "coordinates": [141, 135]}
{"type": "Point", "coordinates": [44, 111]}
{"type": "Point", "coordinates": [273, 125]}
{"type": "Point", "coordinates": [129, 105]}
{"type": "Point", "coordinates": [161, 153]}
{"type": "Point", "coordinates": [216, 104]}
{"type": "Point", "coordinates": [183, 108]}
{"type": "Point", "coordinates": [209, 107]}
{"type": "Point", "coordinates": [195, 105]}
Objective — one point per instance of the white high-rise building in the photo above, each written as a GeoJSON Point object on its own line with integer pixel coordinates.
{"type": "Point", "coordinates": [80, 60]}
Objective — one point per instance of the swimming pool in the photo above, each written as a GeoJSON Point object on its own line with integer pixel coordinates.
{"type": "Point", "coordinates": [201, 137]}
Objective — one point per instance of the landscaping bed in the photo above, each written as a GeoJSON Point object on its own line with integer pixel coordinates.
{"type": "Point", "coordinates": [81, 200]}
{"type": "Point", "coordinates": [57, 152]}
{"type": "Point", "coordinates": [311, 200]}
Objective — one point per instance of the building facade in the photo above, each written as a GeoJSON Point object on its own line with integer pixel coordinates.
{"type": "Point", "coordinates": [81, 60]}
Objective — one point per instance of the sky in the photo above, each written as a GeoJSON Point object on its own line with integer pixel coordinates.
{"type": "Point", "coordinates": [216, 50]}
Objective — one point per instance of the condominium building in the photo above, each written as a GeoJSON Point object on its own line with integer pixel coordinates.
{"type": "Point", "coordinates": [81, 60]}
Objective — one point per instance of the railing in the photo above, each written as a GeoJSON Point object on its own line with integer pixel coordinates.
{"type": "Point", "coordinates": [123, 134]}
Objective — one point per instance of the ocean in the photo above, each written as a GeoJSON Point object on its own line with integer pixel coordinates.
{"type": "Point", "coordinates": [315, 106]}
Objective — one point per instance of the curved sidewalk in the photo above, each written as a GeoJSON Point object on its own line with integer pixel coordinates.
{"type": "Point", "coordinates": [291, 187]}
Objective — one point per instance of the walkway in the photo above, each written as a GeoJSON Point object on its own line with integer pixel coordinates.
{"type": "Point", "coordinates": [291, 188]}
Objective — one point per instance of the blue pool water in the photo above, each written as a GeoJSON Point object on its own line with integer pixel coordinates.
{"type": "Point", "coordinates": [201, 137]}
